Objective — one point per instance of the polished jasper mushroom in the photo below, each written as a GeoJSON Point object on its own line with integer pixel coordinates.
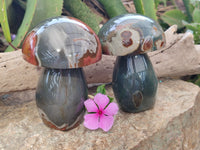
{"type": "Point", "coordinates": [129, 37]}
{"type": "Point", "coordinates": [63, 45]}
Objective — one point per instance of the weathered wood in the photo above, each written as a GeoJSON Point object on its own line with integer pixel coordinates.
{"type": "Point", "coordinates": [180, 57]}
{"type": "Point", "coordinates": [15, 73]}
{"type": "Point", "coordinates": [173, 124]}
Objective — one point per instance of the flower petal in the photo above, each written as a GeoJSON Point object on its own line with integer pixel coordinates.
{"type": "Point", "coordinates": [112, 109]}
{"type": "Point", "coordinates": [106, 122]}
{"type": "Point", "coordinates": [90, 106]}
{"type": "Point", "coordinates": [91, 121]}
{"type": "Point", "coordinates": [101, 100]}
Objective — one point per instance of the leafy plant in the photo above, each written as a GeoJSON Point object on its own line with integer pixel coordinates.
{"type": "Point", "coordinates": [189, 9]}
{"type": "Point", "coordinates": [174, 16]}
{"type": "Point", "coordinates": [195, 28]}
{"type": "Point", "coordinates": [189, 19]}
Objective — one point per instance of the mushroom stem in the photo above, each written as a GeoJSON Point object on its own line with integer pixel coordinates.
{"type": "Point", "coordinates": [134, 83]}
{"type": "Point", "coordinates": [60, 97]}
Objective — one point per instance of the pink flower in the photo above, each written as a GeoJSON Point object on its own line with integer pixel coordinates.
{"type": "Point", "coordinates": [100, 115]}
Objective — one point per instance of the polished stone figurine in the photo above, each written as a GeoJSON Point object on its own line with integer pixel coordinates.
{"type": "Point", "coordinates": [63, 45]}
{"type": "Point", "coordinates": [130, 37]}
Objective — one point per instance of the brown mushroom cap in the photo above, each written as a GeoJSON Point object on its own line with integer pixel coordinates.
{"type": "Point", "coordinates": [131, 33]}
{"type": "Point", "coordinates": [60, 43]}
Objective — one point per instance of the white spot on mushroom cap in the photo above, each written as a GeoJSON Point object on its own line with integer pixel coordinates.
{"type": "Point", "coordinates": [58, 50]}
{"type": "Point", "coordinates": [158, 44]}
{"type": "Point", "coordinates": [116, 46]}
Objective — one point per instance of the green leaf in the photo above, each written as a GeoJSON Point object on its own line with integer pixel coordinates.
{"type": "Point", "coordinates": [197, 82]}
{"type": "Point", "coordinates": [146, 7]}
{"type": "Point", "coordinates": [174, 16]}
{"type": "Point", "coordinates": [8, 3]}
{"type": "Point", "coordinates": [195, 3]}
{"type": "Point", "coordinates": [139, 6]}
{"type": "Point", "coordinates": [188, 9]}
{"type": "Point", "coordinates": [195, 28]}
{"type": "Point", "coordinates": [101, 89]}
{"type": "Point", "coordinates": [36, 11]}
{"type": "Point", "coordinates": [81, 11]}
{"type": "Point", "coordinates": [111, 99]}
{"type": "Point", "coordinates": [196, 15]}
{"type": "Point", "coordinates": [15, 16]}
{"type": "Point", "coordinates": [195, 79]}
{"type": "Point", "coordinates": [4, 21]}
{"type": "Point", "coordinates": [149, 9]}
{"type": "Point", "coordinates": [113, 7]}
{"type": "Point", "coordinates": [157, 2]}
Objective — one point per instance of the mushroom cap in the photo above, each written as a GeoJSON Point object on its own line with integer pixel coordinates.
{"type": "Point", "coordinates": [131, 33]}
{"type": "Point", "coordinates": [61, 43]}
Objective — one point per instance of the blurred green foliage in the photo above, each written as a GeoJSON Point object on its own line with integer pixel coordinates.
{"type": "Point", "coordinates": [190, 19]}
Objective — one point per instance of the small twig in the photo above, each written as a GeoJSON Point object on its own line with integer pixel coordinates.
{"type": "Point", "coordinates": [13, 46]}
{"type": "Point", "coordinates": [98, 5]}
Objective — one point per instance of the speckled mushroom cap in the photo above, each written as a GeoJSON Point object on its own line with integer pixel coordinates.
{"type": "Point", "coordinates": [131, 33]}
{"type": "Point", "coordinates": [60, 43]}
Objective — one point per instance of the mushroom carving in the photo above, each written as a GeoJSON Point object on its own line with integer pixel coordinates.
{"type": "Point", "coordinates": [62, 45]}
{"type": "Point", "coordinates": [130, 37]}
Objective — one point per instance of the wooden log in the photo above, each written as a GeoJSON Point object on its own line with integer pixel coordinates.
{"type": "Point", "coordinates": [180, 57]}
{"type": "Point", "coordinates": [15, 73]}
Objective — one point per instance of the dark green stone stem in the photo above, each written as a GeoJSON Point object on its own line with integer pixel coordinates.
{"type": "Point", "coordinates": [134, 83]}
